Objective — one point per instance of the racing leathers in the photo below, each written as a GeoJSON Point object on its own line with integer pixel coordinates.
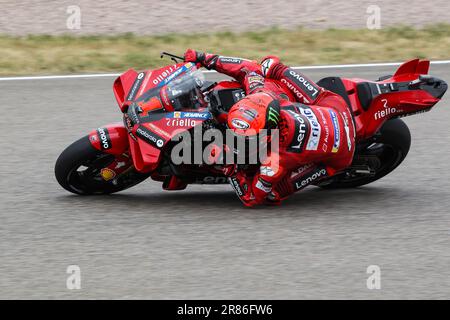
{"type": "Point", "coordinates": [316, 129]}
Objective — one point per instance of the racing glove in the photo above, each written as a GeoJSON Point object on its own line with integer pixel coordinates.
{"type": "Point", "coordinates": [207, 60]}
{"type": "Point", "coordinates": [194, 56]}
{"type": "Point", "coordinates": [270, 65]}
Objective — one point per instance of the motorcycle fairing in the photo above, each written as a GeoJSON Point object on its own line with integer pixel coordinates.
{"type": "Point", "coordinates": [111, 138]}
{"type": "Point", "coordinates": [374, 102]}
{"type": "Point", "coordinates": [131, 85]}
{"type": "Point", "coordinates": [152, 133]}
{"type": "Point", "coordinates": [149, 131]}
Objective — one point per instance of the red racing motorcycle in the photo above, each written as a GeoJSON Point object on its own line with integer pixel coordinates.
{"type": "Point", "coordinates": [159, 104]}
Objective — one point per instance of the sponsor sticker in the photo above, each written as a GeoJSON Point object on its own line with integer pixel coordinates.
{"type": "Point", "coordinates": [265, 66]}
{"type": "Point", "coordinates": [158, 130]}
{"type": "Point", "coordinates": [105, 141]}
{"type": "Point", "coordinates": [326, 129]}
{"type": "Point", "coordinates": [232, 60]}
{"type": "Point", "coordinates": [180, 122]}
{"type": "Point", "coordinates": [314, 137]}
{"type": "Point", "coordinates": [250, 114]}
{"type": "Point", "coordinates": [302, 169]}
{"type": "Point", "coordinates": [235, 184]}
{"type": "Point", "coordinates": [387, 111]}
{"type": "Point", "coordinates": [273, 115]}
{"type": "Point", "coordinates": [136, 85]}
{"type": "Point", "coordinates": [309, 178]}
{"type": "Point", "coordinates": [238, 95]}
{"type": "Point", "coordinates": [347, 130]}
{"type": "Point", "coordinates": [301, 129]}
{"type": "Point", "coordinates": [156, 80]}
{"type": "Point", "coordinates": [267, 171]}
{"type": "Point", "coordinates": [211, 180]}
{"type": "Point", "coordinates": [175, 74]}
{"type": "Point", "coordinates": [263, 185]}
{"type": "Point", "coordinates": [190, 115]}
{"type": "Point", "coordinates": [107, 174]}
{"type": "Point", "coordinates": [306, 85]}
{"type": "Point", "coordinates": [132, 114]}
{"type": "Point", "coordinates": [297, 93]}
{"type": "Point", "coordinates": [337, 131]}
{"type": "Point", "coordinates": [150, 137]}
{"type": "Point", "coordinates": [240, 124]}
{"type": "Point", "coordinates": [255, 82]}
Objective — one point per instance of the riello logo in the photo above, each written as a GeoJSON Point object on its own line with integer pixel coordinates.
{"type": "Point", "coordinates": [380, 114]}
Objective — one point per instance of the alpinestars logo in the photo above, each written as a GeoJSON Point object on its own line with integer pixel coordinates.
{"type": "Point", "coordinates": [265, 66]}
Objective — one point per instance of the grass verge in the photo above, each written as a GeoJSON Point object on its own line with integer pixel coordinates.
{"type": "Point", "coordinates": [44, 54]}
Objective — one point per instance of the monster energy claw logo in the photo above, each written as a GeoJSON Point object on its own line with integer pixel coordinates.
{"type": "Point", "coordinates": [273, 115]}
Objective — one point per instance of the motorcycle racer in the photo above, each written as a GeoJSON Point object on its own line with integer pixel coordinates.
{"type": "Point", "coordinates": [315, 125]}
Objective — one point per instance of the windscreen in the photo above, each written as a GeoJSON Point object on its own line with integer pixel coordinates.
{"type": "Point", "coordinates": [184, 91]}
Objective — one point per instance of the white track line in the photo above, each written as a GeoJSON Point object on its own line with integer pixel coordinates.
{"type": "Point", "coordinates": [72, 76]}
{"type": "Point", "coordinates": [335, 66]}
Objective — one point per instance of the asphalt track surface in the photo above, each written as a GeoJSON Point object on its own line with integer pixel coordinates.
{"type": "Point", "coordinates": [201, 243]}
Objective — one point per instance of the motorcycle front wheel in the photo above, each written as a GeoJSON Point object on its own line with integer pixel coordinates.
{"type": "Point", "coordinates": [79, 170]}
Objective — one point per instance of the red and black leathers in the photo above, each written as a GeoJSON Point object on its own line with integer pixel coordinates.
{"type": "Point", "coordinates": [316, 127]}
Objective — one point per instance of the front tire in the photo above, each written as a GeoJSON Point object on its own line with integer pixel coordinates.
{"type": "Point", "coordinates": [78, 170]}
{"type": "Point", "coordinates": [390, 148]}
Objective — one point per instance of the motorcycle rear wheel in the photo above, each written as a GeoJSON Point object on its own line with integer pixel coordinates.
{"type": "Point", "coordinates": [78, 170]}
{"type": "Point", "coordinates": [390, 147]}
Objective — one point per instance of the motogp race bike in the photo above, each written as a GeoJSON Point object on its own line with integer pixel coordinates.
{"type": "Point", "coordinates": [117, 156]}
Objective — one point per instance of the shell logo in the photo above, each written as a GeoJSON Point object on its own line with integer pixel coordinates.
{"type": "Point", "coordinates": [107, 174]}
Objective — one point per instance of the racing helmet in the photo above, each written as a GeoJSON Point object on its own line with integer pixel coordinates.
{"type": "Point", "coordinates": [254, 113]}
{"type": "Point", "coordinates": [185, 92]}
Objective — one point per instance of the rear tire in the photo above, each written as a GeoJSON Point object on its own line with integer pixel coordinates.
{"type": "Point", "coordinates": [81, 154]}
{"type": "Point", "coordinates": [391, 147]}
